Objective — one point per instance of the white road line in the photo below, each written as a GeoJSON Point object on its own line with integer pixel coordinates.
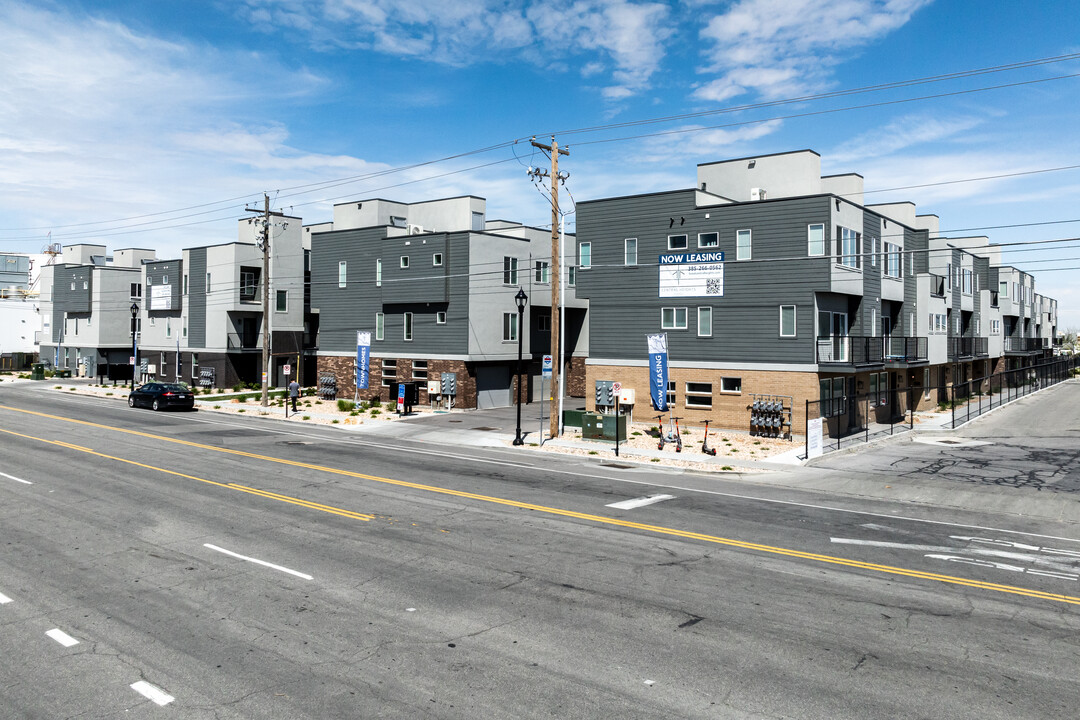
{"type": "Point", "coordinates": [12, 477]}
{"type": "Point", "coordinates": [152, 693]}
{"type": "Point", "coordinates": [62, 637]}
{"type": "Point", "coordinates": [640, 502]}
{"type": "Point", "coordinates": [4, 599]}
{"type": "Point", "coordinates": [257, 562]}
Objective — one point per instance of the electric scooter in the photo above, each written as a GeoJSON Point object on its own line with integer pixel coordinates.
{"type": "Point", "coordinates": [673, 434]}
{"type": "Point", "coordinates": [705, 443]}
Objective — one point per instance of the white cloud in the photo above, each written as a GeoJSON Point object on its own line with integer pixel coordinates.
{"type": "Point", "coordinates": [701, 144]}
{"type": "Point", "coordinates": [900, 134]}
{"type": "Point", "coordinates": [626, 36]}
{"type": "Point", "coordinates": [777, 48]}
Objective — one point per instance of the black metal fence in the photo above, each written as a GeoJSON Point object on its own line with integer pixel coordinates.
{"type": "Point", "coordinates": [850, 418]}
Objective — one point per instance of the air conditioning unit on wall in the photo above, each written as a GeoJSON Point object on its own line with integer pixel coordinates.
{"type": "Point", "coordinates": [757, 194]}
{"type": "Point", "coordinates": [416, 229]}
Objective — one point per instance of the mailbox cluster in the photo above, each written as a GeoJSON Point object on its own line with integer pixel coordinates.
{"type": "Point", "coordinates": [206, 377]}
{"type": "Point", "coordinates": [770, 415]}
{"type": "Point", "coordinates": [328, 387]}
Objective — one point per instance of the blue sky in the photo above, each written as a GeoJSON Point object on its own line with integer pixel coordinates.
{"type": "Point", "coordinates": [134, 109]}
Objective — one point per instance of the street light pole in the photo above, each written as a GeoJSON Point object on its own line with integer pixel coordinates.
{"type": "Point", "coordinates": [134, 346]}
{"type": "Point", "coordinates": [521, 298]}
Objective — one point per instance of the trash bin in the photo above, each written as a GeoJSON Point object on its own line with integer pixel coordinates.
{"type": "Point", "coordinates": [37, 371]}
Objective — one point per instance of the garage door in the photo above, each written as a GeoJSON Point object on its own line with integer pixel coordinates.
{"type": "Point", "coordinates": [492, 386]}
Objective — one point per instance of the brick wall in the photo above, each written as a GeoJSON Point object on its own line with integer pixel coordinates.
{"type": "Point", "coordinates": [344, 368]}
{"type": "Point", "coordinates": [728, 411]}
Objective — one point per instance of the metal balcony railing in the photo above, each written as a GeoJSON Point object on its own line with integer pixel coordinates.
{"type": "Point", "coordinates": [863, 350]}
{"type": "Point", "coordinates": [243, 341]}
{"type": "Point", "coordinates": [1014, 344]}
{"type": "Point", "coordinates": [968, 347]}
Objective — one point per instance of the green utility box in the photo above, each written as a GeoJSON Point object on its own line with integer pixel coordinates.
{"type": "Point", "coordinates": [572, 418]}
{"type": "Point", "coordinates": [37, 371]}
{"type": "Point", "coordinates": [613, 424]}
{"type": "Point", "coordinates": [62, 373]}
{"type": "Point", "coordinates": [592, 426]}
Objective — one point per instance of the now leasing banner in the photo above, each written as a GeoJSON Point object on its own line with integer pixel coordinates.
{"type": "Point", "coordinates": [658, 375]}
{"type": "Point", "coordinates": [363, 359]}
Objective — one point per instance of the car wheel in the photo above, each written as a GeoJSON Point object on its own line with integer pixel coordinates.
{"type": "Point", "coordinates": [157, 405]}
{"type": "Point", "coordinates": [131, 402]}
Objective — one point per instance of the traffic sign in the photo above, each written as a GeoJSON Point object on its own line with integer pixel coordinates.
{"type": "Point", "coordinates": [616, 387]}
{"type": "Point", "coordinates": [288, 369]}
{"type": "Point", "coordinates": [546, 367]}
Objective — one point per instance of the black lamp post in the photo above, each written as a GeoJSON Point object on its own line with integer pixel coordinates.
{"type": "Point", "coordinates": [134, 348]}
{"type": "Point", "coordinates": [521, 298]}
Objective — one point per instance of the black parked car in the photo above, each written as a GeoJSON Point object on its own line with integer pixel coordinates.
{"type": "Point", "coordinates": [162, 396]}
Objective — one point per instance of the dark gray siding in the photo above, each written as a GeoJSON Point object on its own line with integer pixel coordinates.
{"type": "Point", "coordinates": [168, 272]}
{"type": "Point", "coordinates": [916, 243]}
{"type": "Point", "coordinates": [422, 289]}
{"type": "Point", "coordinates": [72, 288]}
{"type": "Point", "coordinates": [625, 306]}
{"type": "Point", "coordinates": [868, 324]}
{"type": "Point", "coordinates": [197, 298]}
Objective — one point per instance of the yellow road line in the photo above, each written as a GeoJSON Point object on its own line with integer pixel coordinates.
{"type": "Point", "coordinates": [599, 519]}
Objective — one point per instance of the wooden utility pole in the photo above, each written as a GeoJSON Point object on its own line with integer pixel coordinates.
{"type": "Point", "coordinates": [556, 279]}
{"type": "Point", "coordinates": [266, 292]}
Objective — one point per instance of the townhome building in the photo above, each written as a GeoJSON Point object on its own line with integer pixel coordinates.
{"type": "Point", "coordinates": [773, 281]}
{"type": "Point", "coordinates": [84, 308]}
{"type": "Point", "coordinates": [18, 310]}
{"type": "Point", "coordinates": [433, 284]}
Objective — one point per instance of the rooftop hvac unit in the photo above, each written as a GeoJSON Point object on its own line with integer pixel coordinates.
{"type": "Point", "coordinates": [757, 193]}
{"type": "Point", "coordinates": [416, 229]}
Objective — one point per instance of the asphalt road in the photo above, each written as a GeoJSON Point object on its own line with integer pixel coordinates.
{"type": "Point", "coordinates": [241, 568]}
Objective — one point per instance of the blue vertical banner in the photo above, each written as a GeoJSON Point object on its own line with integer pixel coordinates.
{"type": "Point", "coordinates": [658, 375]}
{"type": "Point", "coordinates": [363, 359]}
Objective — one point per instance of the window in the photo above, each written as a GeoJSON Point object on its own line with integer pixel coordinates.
{"type": "Point", "coordinates": [708, 240]}
{"type": "Point", "coordinates": [704, 322]}
{"type": "Point", "coordinates": [571, 276]}
{"type": "Point", "coordinates": [184, 321]}
{"type": "Point", "coordinates": [440, 317]}
{"type": "Point", "coordinates": [585, 255]}
{"type": "Point", "coordinates": [378, 273]}
{"type": "Point", "coordinates": [282, 301]}
{"type": "Point", "coordinates": [404, 261]}
{"type": "Point", "coordinates": [967, 282]}
{"type": "Point", "coordinates": [891, 265]}
{"type": "Point", "coordinates": [543, 323]}
{"type": "Point", "coordinates": [879, 388]}
{"type": "Point", "coordinates": [995, 327]}
{"type": "Point", "coordinates": [342, 273]}
{"type": "Point", "coordinates": [977, 327]}
{"type": "Point", "coordinates": [833, 401]}
{"type": "Point", "coordinates": [677, 242]}
{"type": "Point", "coordinates": [389, 371]}
{"type": "Point", "coordinates": [1003, 289]}
{"type": "Point", "coordinates": [248, 285]}
{"type": "Point", "coordinates": [168, 327]}
{"type": "Point", "coordinates": [630, 250]}
{"type": "Point", "coordinates": [543, 272]}
{"type": "Point", "coordinates": [208, 282]}
{"type": "Point", "coordinates": [873, 252]}
{"type": "Point", "coordinates": [510, 268]}
{"type": "Point", "coordinates": [673, 318]}
{"type": "Point", "coordinates": [699, 395]}
{"type": "Point", "coordinates": [787, 321]}
{"type": "Point", "coordinates": [72, 284]}
{"type": "Point", "coordinates": [671, 393]}
{"type": "Point", "coordinates": [185, 284]}
{"type": "Point", "coordinates": [873, 322]}
{"type": "Point", "coordinates": [815, 240]}
{"type": "Point", "coordinates": [510, 328]}
{"type": "Point", "coordinates": [436, 260]}
{"type": "Point", "coordinates": [380, 324]}
{"type": "Point", "coordinates": [849, 247]}
{"type": "Point", "coordinates": [949, 273]}
{"type": "Point", "coordinates": [419, 370]}
{"type": "Point", "coordinates": [742, 245]}
{"type": "Point", "coordinates": [406, 326]}
{"type": "Point", "coordinates": [136, 290]}
{"type": "Point", "coordinates": [731, 384]}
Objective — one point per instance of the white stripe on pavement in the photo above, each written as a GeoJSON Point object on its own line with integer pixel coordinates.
{"type": "Point", "coordinates": [62, 637]}
{"type": "Point", "coordinates": [4, 599]}
{"type": "Point", "coordinates": [640, 502]}
{"type": "Point", "coordinates": [257, 562]}
{"type": "Point", "coordinates": [12, 477]}
{"type": "Point", "coordinates": [152, 693]}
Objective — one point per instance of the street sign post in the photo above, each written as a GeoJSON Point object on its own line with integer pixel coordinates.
{"type": "Point", "coordinates": [287, 370]}
{"type": "Point", "coordinates": [546, 367]}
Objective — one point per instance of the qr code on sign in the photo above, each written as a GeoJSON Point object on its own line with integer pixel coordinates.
{"type": "Point", "coordinates": [714, 287]}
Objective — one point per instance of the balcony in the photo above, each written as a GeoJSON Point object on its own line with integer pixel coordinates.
{"type": "Point", "coordinates": [243, 341]}
{"type": "Point", "coordinates": [966, 347]}
{"type": "Point", "coordinates": [1025, 345]}
{"type": "Point", "coordinates": [861, 350]}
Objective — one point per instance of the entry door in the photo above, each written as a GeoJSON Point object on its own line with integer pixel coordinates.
{"type": "Point", "coordinates": [492, 386]}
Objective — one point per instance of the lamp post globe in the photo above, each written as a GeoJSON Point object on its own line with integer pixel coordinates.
{"type": "Point", "coordinates": [521, 299]}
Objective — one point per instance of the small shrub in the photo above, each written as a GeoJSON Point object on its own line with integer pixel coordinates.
{"type": "Point", "coordinates": [217, 407]}
{"type": "Point", "coordinates": [237, 387]}
{"type": "Point", "coordinates": [593, 452]}
{"type": "Point", "coordinates": [376, 403]}
{"type": "Point", "coordinates": [71, 389]}
{"type": "Point", "coordinates": [241, 410]}
{"type": "Point", "coordinates": [346, 405]}
{"type": "Point", "coordinates": [635, 433]}
{"type": "Point", "coordinates": [335, 421]}
{"type": "Point", "coordinates": [306, 417]}
{"type": "Point", "coordinates": [757, 442]}
{"type": "Point", "coordinates": [220, 390]}
{"type": "Point", "coordinates": [107, 394]}
{"type": "Point", "coordinates": [57, 387]}
{"type": "Point", "coordinates": [374, 412]}
{"type": "Point", "coordinates": [655, 460]}
{"type": "Point", "coordinates": [354, 413]}
{"type": "Point", "coordinates": [727, 467]}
